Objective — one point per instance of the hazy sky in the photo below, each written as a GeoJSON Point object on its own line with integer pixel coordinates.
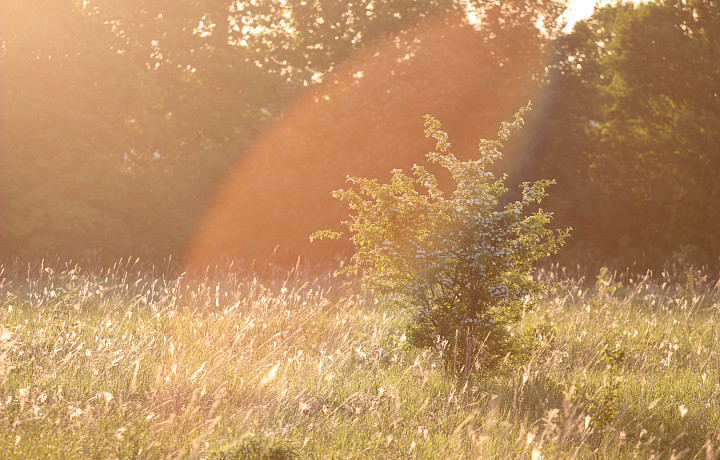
{"type": "Point", "coordinates": [583, 8]}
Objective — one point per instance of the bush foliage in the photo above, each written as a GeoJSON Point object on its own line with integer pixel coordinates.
{"type": "Point", "coordinates": [461, 262]}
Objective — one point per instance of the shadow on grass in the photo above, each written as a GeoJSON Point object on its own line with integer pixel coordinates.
{"type": "Point", "coordinates": [254, 448]}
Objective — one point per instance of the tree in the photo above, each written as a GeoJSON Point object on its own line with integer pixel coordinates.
{"type": "Point", "coordinates": [633, 112]}
{"type": "Point", "coordinates": [117, 124]}
{"type": "Point", "coordinates": [121, 118]}
{"type": "Point", "coordinates": [662, 125]}
{"type": "Point", "coordinates": [565, 135]}
{"type": "Point", "coordinates": [360, 120]}
{"type": "Point", "coordinates": [206, 100]}
{"type": "Point", "coordinates": [62, 131]}
{"type": "Point", "coordinates": [462, 264]}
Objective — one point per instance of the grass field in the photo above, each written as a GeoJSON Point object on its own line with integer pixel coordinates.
{"type": "Point", "coordinates": [130, 362]}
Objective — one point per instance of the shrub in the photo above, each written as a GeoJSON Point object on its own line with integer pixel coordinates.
{"type": "Point", "coordinates": [462, 264]}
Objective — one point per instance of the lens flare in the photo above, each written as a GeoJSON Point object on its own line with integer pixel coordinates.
{"type": "Point", "coordinates": [364, 119]}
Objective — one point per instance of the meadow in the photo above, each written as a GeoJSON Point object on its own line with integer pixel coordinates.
{"type": "Point", "coordinates": [134, 361]}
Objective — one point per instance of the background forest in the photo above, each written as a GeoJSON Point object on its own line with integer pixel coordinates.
{"type": "Point", "coordinates": [219, 128]}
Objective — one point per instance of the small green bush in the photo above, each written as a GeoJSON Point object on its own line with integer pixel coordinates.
{"type": "Point", "coordinates": [462, 264]}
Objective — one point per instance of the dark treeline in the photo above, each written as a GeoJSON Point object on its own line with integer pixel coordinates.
{"type": "Point", "coordinates": [631, 131]}
{"type": "Point", "coordinates": [218, 128]}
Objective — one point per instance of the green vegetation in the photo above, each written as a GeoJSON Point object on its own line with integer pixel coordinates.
{"type": "Point", "coordinates": [120, 119]}
{"type": "Point", "coordinates": [630, 129]}
{"type": "Point", "coordinates": [209, 131]}
{"type": "Point", "coordinates": [131, 362]}
{"type": "Point", "coordinates": [463, 264]}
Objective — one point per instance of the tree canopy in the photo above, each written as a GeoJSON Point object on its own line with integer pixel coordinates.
{"type": "Point", "coordinates": [630, 130]}
{"type": "Point", "coordinates": [139, 128]}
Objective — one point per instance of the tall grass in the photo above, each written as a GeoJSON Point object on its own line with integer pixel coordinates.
{"type": "Point", "coordinates": [133, 362]}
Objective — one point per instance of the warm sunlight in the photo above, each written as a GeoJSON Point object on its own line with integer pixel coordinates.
{"type": "Point", "coordinates": [373, 229]}
{"type": "Point", "coordinates": [581, 9]}
{"type": "Point", "coordinates": [365, 119]}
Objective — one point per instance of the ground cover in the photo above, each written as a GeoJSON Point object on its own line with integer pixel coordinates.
{"type": "Point", "coordinates": [134, 362]}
